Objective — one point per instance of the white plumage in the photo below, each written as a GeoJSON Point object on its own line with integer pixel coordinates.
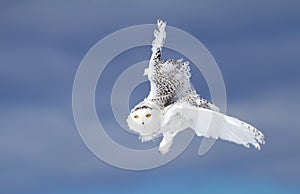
{"type": "Point", "coordinates": [173, 105]}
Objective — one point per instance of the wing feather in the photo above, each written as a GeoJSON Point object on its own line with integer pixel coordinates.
{"type": "Point", "coordinates": [216, 125]}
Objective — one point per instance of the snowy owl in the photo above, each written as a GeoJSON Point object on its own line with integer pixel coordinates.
{"type": "Point", "coordinates": [173, 105]}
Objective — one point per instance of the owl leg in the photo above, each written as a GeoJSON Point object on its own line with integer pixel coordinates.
{"type": "Point", "coordinates": [166, 142]}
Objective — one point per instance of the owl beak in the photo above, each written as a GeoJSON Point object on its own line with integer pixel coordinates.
{"type": "Point", "coordinates": [143, 123]}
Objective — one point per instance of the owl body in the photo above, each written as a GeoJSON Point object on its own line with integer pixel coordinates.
{"type": "Point", "coordinates": [173, 105]}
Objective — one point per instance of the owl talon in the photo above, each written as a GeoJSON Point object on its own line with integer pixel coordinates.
{"type": "Point", "coordinates": [166, 143]}
{"type": "Point", "coordinates": [163, 150]}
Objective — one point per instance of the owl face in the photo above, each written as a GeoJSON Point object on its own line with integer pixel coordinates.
{"type": "Point", "coordinates": [144, 119]}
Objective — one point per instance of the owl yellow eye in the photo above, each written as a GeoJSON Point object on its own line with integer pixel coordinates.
{"type": "Point", "coordinates": [148, 115]}
{"type": "Point", "coordinates": [136, 116]}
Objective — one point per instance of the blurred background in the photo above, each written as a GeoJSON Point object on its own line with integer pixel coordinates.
{"type": "Point", "coordinates": [256, 45]}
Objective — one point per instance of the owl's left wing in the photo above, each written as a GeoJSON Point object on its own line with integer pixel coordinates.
{"type": "Point", "coordinates": [212, 124]}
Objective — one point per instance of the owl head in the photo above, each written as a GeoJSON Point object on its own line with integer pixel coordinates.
{"type": "Point", "coordinates": [145, 119]}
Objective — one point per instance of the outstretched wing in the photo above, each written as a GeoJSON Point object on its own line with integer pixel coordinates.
{"type": "Point", "coordinates": [170, 80]}
{"type": "Point", "coordinates": [166, 77]}
{"type": "Point", "coordinates": [212, 124]}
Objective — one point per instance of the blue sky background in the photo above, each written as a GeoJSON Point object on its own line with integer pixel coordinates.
{"type": "Point", "coordinates": [256, 45]}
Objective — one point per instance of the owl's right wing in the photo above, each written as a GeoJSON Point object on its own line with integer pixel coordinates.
{"type": "Point", "coordinates": [155, 71]}
{"type": "Point", "coordinates": [212, 124]}
{"type": "Point", "coordinates": [165, 77]}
